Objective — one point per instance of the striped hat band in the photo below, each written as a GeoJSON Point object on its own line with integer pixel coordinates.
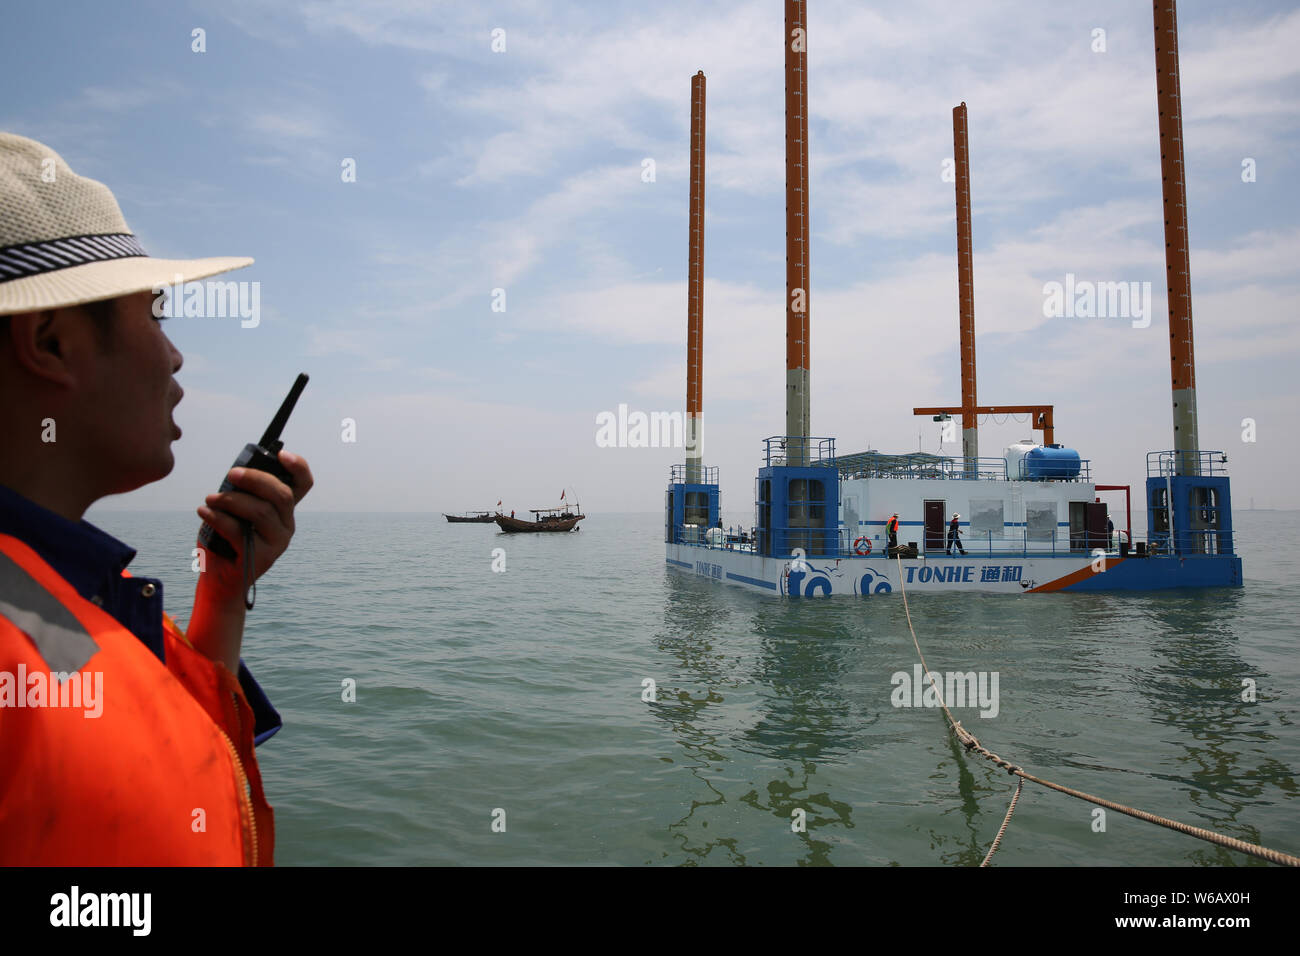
{"type": "Point", "coordinates": [35, 258]}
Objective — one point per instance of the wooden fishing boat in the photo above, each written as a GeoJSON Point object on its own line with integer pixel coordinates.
{"type": "Point", "coordinates": [475, 517]}
{"type": "Point", "coordinates": [548, 519]}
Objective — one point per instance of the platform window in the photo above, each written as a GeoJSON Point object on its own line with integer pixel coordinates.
{"type": "Point", "coordinates": [816, 504]}
{"type": "Point", "coordinates": [987, 519]}
{"type": "Point", "coordinates": [1205, 507]}
{"type": "Point", "coordinates": [1040, 520]}
{"type": "Point", "coordinates": [1160, 509]}
{"type": "Point", "coordinates": [697, 507]}
{"type": "Point", "coordinates": [806, 506]}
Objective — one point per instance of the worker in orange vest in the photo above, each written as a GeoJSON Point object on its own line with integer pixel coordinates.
{"type": "Point", "coordinates": [123, 739]}
{"type": "Point", "coordinates": [891, 529]}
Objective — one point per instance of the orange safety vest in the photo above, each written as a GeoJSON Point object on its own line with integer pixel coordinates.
{"type": "Point", "coordinates": [165, 775]}
{"type": "Point", "coordinates": [891, 526]}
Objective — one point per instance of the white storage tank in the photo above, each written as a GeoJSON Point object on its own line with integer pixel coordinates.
{"type": "Point", "coordinates": [1015, 457]}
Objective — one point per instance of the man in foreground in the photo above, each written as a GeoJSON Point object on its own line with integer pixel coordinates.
{"type": "Point", "coordinates": [123, 740]}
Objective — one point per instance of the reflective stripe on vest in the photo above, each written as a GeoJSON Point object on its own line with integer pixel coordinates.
{"type": "Point", "coordinates": [108, 756]}
{"type": "Point", "coordinates": [59, 637]}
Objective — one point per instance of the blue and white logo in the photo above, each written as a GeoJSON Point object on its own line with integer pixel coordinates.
{"type": "Point", "coordinates": [872, 582]}
{"type": "Point", "coordinates": [803, 579]}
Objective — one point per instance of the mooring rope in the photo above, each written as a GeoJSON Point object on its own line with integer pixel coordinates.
{"type": "Point", "coordinates": [971, 743]}
{"type": "Point", "coordinates": [997, 840]}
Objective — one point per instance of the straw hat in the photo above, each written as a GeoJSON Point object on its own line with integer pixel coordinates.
{"type": "Point", "coordinates": [63, 240]}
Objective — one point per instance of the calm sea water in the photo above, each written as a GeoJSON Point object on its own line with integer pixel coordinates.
{"type": "Point", "coordinates": [521, 691]}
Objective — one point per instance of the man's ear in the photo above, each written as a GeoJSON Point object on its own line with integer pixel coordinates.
{"type": "Point", "coordinates": [43, 342]}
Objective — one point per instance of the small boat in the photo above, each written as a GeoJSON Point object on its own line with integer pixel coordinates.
{"type": "Point", "coordinates": [548, 519]}
{"type": "Point", "coordinates": [475, 517]}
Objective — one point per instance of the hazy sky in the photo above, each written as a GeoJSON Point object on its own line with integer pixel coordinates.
{"type": "Point", "coordinates": [522, 170]}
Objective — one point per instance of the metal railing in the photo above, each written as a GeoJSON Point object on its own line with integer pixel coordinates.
{"type": "Point", "coordinates": [708, 475]}
{"type": "Point", "coordinates": [1021, 544]}
{"type": "Point", "coordinates": [797, 449]}
{"type": "Point", "coordinates": [877, 465]}
{"type": "Point", "coordinates": [923, 465]}
{"type": "Point", "coordinates": [734, 538]}
{"type": "Point", "coordinates": [784, 449]}
{"type": "Point", "coordinates": [1172, 464]}
{"type": "Point", "coordinates": [1187, 544]}
{"type": "Point", "coordinates": [752, 540]}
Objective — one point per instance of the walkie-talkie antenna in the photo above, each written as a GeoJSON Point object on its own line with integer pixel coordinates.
{"type": "Point", "coordinates": [282, 416]}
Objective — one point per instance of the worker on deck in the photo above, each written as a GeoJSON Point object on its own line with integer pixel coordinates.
{"type": "Point", "coordinates": [891, 529]}
{"type": "Point", "coordinates": [123, 740]}
{"type": "Point", "coordinates": [954, 535]}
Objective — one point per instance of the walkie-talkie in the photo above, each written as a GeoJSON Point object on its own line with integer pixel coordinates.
{"type": "Point", "coordinates": [262, 457]}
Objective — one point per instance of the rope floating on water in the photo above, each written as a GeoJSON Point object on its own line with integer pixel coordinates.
{"type": "Point", "coordinates": [972, 744]}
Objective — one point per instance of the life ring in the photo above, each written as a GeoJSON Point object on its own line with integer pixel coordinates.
{"type": "Point", "coordinates": [857, 546]}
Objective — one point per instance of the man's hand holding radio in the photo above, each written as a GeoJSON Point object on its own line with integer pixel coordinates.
{"type": "Point", "coordinates": [267, 504]}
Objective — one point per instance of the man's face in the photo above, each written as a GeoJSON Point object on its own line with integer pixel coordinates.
{"type": "Point", "coordinates": [131, 395]}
